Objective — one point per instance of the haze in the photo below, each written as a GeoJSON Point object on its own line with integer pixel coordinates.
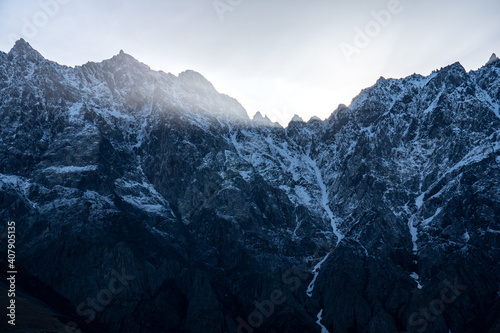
{"type": "Point", "coordinates": [278, 57]}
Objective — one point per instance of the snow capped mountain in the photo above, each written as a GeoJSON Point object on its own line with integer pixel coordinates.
{"type": "Point", "coordinates": [296, 118]}
{"type": "Point", "coordinates": [385, 217]}
{"type": "Point", "coordinates": [263, 120]}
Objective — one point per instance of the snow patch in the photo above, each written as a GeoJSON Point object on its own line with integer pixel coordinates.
{"type": "Point", "coordinates": [333, 220]}
{"type": "Point", "coordinates": [74, 110]}
{"type": "Point", "coordinates": [423, 82]}
{"type": "Point", "coordinates": [434, 103]}
{"type": "Point", "coordinates": [429, 220]}
{"type": "Point", "coordinates": [143, 196]}
{"type": "Point", "coordinates": [20, 184]}
{"type": "Point", "coordinates": [117, 114]}
{"type": "Point", "coordinates": [420, 200]}
{"type": "Point", "coordinates": [466, 236]}
{"type": "Point", "coordinates": [246, 175]}
{"type": "Point", "coordinates": [320, 317]}
{"type": "Point", "coordinates": [324, 198]}
{"type": "Point", "coordinates": [315, 271]}
{"type": "Point", "coordinates": [70, 169]}
{"type": "Point", "coordinates": [487, 98]}
{"type": "Point", "coordinates": [302, 194]}
{"type": "Point", "coordinates": [416, 277]}
{"type": "Point", "coordinates": [297, 225]}
{"type": "Point", "coordinates": [414, 233]}
{"type": "Point", "coordinates": [9, 180]}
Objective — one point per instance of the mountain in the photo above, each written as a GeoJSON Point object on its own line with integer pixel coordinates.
{"type": "Point", "coordinates": [148, 202]}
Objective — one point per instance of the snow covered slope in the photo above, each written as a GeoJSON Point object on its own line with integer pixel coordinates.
{"type": "Point", "coordinates": [360, 221]}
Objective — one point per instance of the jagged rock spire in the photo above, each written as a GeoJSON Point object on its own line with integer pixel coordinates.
{"type": "Point", "coordinates": [493, 59]}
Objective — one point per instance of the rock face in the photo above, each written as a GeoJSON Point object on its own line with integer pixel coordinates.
{"type": "Point", "coordinates": [147, 202]}
{"type": "Point", "coordinates": [493, 59]}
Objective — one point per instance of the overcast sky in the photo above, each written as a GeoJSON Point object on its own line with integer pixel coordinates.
{"type": "Point", "coordinates": [281, 57]}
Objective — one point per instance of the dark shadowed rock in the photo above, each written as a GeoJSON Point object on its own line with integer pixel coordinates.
{"type": "Point", "coordinates": [158, 198]}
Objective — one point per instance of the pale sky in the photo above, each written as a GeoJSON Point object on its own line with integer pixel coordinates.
{"type": "Point", "coordinates": [281, 57]}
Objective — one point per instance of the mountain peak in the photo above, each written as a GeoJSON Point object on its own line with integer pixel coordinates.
{"type": "Point", "coordinates": [261, 120]}
{"type": "Point", "coordinates": [123, 59]}
{"type": "Point", "coordinates": [457, 66]}
{"type": "Point", "coordinates": [194, 78]}
{"type": "Point", "coordinates": [22, 46]}
{"type": "Point", "coordinates": [493, 59]}
{"type": "Point", "coordinates": [134, 161]}
{"type": "Point", "coordinates": [297, 118]}
{"type": "Point", "coordinates": [124, 56]}
{"type": "Point", "coordinates": [23, 50]}
{"type": "Point", "coordinates": [258, 115]}
{"type": "Point", "coordinates": [315, 118]}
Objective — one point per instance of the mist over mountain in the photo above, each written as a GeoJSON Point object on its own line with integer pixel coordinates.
{"type": "Point", "coordinates": [148, 202]}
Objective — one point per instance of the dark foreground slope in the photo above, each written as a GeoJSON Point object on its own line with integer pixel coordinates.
{"type": "Point", "coordinates": [146, 202]}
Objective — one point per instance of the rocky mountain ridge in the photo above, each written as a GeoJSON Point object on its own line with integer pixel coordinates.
{"type": "Point", "coordinates": [359, 223]}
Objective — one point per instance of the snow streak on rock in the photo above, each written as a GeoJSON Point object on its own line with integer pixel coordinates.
{"type": "Point", "coordinates": [113, 166]}
{"type": "Point", "coordinates": [320, 317]}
